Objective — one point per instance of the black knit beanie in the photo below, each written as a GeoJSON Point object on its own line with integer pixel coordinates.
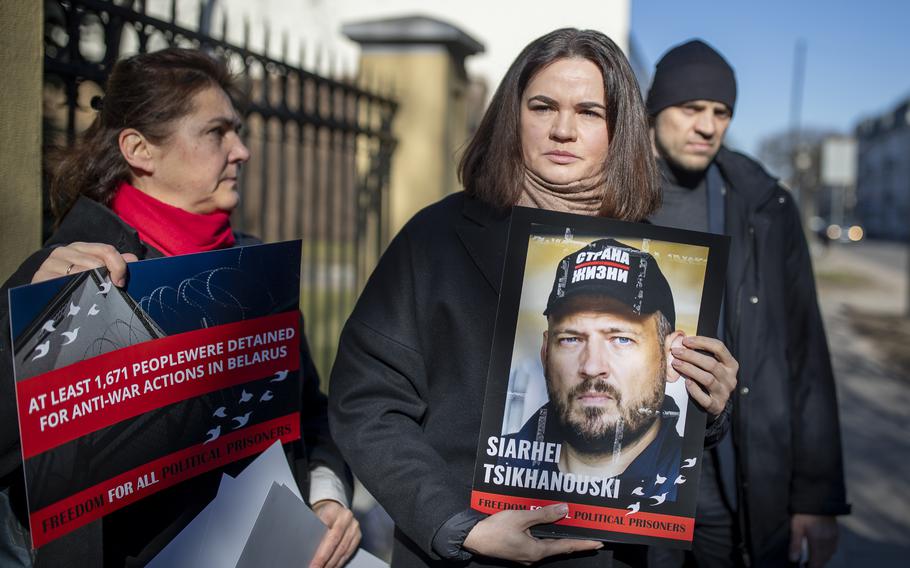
{"type": "Point", "coordinates": [689, 72]}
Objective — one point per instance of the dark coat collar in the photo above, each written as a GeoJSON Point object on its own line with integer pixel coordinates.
{"type": "Point", "coordinates": [90, 221]}
{"type": "Point", "coordinates": [484, 232]}
{"type": "Point", "coordinates": [746, 177]}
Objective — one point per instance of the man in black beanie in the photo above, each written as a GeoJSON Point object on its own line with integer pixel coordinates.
{"type": "Point", "coordinates": [777, 481]}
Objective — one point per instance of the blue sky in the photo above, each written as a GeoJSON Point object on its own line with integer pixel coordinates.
{"type": "Point", "coordinates": [857, 56]}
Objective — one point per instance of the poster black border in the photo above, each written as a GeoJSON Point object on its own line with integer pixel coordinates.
{"type": "Point", "coordinates": [523, 222]}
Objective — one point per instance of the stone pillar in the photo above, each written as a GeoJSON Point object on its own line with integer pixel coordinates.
{"type": "Point", "coordinates": [423, 59]}
{"type": "Point", "coordinates": [22, 61]}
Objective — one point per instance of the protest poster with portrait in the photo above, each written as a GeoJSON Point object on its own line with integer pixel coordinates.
{"type": "Point", "coordinates": [583, 405]}
{"type": "Point", "coordinates": [124, 392]}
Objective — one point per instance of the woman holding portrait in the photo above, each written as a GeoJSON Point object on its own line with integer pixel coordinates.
{"type": "Point", "coordinates": [566, 130]}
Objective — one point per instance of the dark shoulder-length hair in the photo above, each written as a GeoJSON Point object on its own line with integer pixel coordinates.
{"type": "Point", "coordinates": [148, 92]}
{"type": "Point", "coordinates": [492, 168]}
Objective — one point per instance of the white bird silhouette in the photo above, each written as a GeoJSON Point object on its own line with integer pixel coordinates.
{"type": "Point", "coordinates": [638, 491]}
{"type": "Point", "coordinates": [658, 499]}
{"type": "Point", "coordinates": [266, 396]}
{"type": "Point", "coordinates": [42, 349]}
{"type": "Point", "coordinates": [70, 336]}
{"type": "Point", "coordinates": [245, 396]}
{"type": "Point", "coordinates": [104, 288]}
{"type": "Point", "coordinates": [679, 480]}
{"type": "Point", "coordinates": [242, 420]}
{"type": "Point", "coordinates": [659, 479]}
{"type": "Point", "coordinates": [279, 376]}
{"type": "Point", "coordinates": [689, 462]}
{"type": "Point", "coordinates": [219, 412]}
{"type": "Point", "coordinates": [633, 508]}
{"type": "Point", "coordinates": [213, 433]}
{"type": "Point", "coordinates": [93, 311]}
{"type": "Point", "coordinates": [74, 309]}
{"type": "Point", "coordinates": [48, 326]}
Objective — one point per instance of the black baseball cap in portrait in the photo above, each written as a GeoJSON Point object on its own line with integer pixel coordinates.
{"type": "Point", "coordinates": [607, 267]}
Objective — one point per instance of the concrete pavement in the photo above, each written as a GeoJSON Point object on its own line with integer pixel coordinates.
{"type": "Point", "coordinates": [863, 296]}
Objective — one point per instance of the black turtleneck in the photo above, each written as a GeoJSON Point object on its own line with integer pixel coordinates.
{"type": "Point", "coordinates": [685, 202]}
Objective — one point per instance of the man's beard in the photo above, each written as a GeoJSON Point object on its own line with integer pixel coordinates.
{"type": "Point", "coordinates": [593, 436]}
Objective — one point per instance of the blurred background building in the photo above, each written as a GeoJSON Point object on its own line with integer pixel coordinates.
{"type": "Point", "coordinates": [820, 168]}
{"type": "Point", "coordinates": [883, 184]}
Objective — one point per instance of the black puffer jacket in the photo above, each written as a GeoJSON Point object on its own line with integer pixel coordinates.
{"type": "Point", "coordinates": [785, 422]}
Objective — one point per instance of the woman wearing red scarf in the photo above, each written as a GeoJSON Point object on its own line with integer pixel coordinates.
{"type": "Point", "coordinates": [156, 175]}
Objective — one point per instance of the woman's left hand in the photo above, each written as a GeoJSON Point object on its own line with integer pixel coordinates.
{"type": "Point", "coordinates": [77, 257]}
{"type": "Point", "coordinates": [342, 538]}
{"type": "Point", "coordinates": [710, 375]}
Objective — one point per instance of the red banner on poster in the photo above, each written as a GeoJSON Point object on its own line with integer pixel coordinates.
{"type": "Point", "coordinates": [67, 403]}
{"type": "Point", "coordinates": [594, 517]}
{"type": "Point", "coordinates": [117, 492]}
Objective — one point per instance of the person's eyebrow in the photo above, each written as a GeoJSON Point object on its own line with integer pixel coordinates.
{"type": "Point", "coordinates": [232, 121]}
{"type": "Point", "coordinates": [552, 102]}
{"type": "Point", "coordinates": [611, 329]}
{"type": "Point", "coordinates": [590, 105]}
{"type": "Point", "coordinates": [628, 330]}
{"type": "Point", "coordinates": [567, 331]}
{"type": "Point", "coordinates": [544, 99]}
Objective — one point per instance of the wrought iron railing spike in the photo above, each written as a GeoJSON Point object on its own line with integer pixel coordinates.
{"type": "Point", "coordinates": [393, 86]}
{"type": "Point", "coordinates": [364, 76]}
{"type": "Point", "coordinates": [318, 56]}
{"type": "Point", "coordinates": [334, 65]}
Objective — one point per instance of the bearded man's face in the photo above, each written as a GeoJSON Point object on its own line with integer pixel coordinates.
{"type": "Point", "coordinates": [606, 375]}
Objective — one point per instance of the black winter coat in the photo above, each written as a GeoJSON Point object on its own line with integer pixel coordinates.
{"type": "Point", "coordinates": [126, 532]}
{"type": "Point", "coordinates": [407, 389]}
{"type": "Point", "coordinates": [785, 421]}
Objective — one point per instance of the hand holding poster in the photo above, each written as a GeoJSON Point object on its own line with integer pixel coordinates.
{"type": "Point", "coordinates": [123, 392]}
{"type": "Point", "coordinates": [583, 403]}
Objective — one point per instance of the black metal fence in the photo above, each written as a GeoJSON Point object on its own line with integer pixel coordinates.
{"type": "Point", "coordinates": [321, 147]}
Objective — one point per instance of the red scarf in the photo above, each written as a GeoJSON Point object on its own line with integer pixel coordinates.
{"type": "Point", "coordinates": [170, 229]}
